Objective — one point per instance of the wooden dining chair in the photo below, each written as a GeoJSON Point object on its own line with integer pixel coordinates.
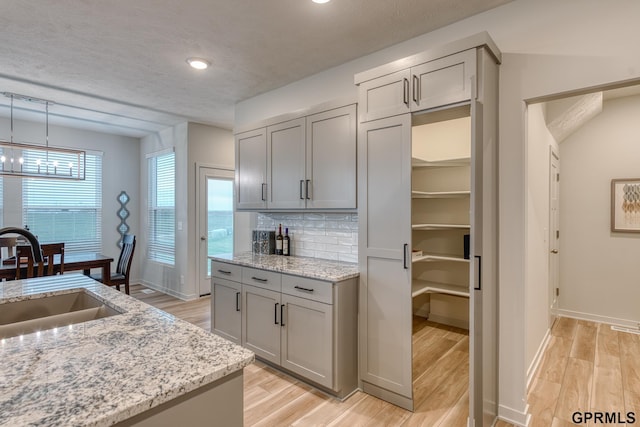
{"type": "Point", "coordinates": [49, 251]}
{"type": "Point", "coordinates": [121, 275]}
{"type": "Point", "coordinates": [24, 255]}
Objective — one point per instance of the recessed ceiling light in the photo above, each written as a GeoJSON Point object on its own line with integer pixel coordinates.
{"type": "Point", "coordinates": [198, 63]}
{"type": "Point", "coordinates": [321, 1]}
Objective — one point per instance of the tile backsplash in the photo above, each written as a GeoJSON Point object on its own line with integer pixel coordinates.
{"type": "Point", "coordinates": [332, 236]}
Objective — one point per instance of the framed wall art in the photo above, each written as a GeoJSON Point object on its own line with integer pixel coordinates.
{"type": "Point", "coordinates": [625, 205]}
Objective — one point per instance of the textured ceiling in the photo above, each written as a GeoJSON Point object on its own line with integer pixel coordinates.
{"type": "Point", "coordinates": [119, 66]}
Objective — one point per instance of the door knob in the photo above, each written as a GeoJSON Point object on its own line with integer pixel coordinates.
{"type": "Point", "coordinates": [555, 251]}
{"type": "Point", "coordinates": [202, 238]}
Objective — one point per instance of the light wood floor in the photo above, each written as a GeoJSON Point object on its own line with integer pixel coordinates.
{"type": "Point", "coordinates": [587, 367]}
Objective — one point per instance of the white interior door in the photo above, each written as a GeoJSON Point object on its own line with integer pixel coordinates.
{"type": "Point", "coordinates": [554, 234]}
{"type": "Point", "coordinates": [215, 220]}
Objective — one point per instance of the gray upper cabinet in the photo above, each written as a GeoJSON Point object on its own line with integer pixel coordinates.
{"type": "Point", "coordinates": [443, 81]}
{"type": "Point", "coordinates": [286, 165]}
{"type": "Point", "coordinates": [331, 159]}
{"type": "Point", "coordinates": [251, 173]}
{"type": "Point", "coordinates": [385, 96]}
{"type": "Point", "coordinates": [304, 163]}
{"type": "Point", "coordinates": [435, 83]}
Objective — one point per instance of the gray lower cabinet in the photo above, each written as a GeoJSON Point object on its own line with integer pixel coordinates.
{"type": "Point", "coordinates": [305, 326]}
{"type": "Point", "coordinates": [226, 301]}
{"type": "Point", "coordinates": [306, 341]}
{"type": "Point", "coordinates": [225, 309]}
{"type": "Point", "coordinates": [261, 322]}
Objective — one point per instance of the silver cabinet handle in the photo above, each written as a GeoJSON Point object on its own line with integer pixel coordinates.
{"type": "Point", "coordinates": [264, 197]}
{"type": "Point", "coordinates": [300, 288]}
{"type": "Point", "coordinates": [237, 301]}
{"type": "Point", "coordinates": [301, 184]}
{"type": "Point", "coordinates": [405, 94]}
{"type": "Point", "coordinates": [307, 189]}
{"type": "Point", "coordinates": [224, 272]}
{"type": "Point", "coordinates": [404, 256]}
{"type": "Point", "coordinates": [416, 88]}
{"type": "Point", "coordinates": [259, 279]}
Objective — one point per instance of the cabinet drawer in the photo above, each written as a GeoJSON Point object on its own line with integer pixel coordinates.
{"type": "Point", "coordinates": [316, 290]}
{"type": "Point", "coordinates": [261, 278]}
{"type": "Point", "coordinates": [222, 270]}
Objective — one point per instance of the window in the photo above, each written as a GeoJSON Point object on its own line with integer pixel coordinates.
{"type": "Point", "coordinates": [57, 210]}
{"type": "Point", "coordinates": [162, 212]}
{"type": "Point", "coordinates": [219, 217]}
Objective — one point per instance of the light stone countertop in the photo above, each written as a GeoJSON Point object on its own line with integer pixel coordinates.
{"type": "Point", "coordinates": [100, 372]}
{"type": "Point", "coordinates": [314, 268]}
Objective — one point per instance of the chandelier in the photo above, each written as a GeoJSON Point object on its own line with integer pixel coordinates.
{"type": "Point", "coordinates": [36, 160]}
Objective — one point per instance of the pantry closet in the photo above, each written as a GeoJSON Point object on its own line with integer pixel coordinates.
{"type": "Point", "coordinates": [428, 225]}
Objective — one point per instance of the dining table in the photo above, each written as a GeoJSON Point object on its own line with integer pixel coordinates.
{"type": "Point", "coordinates": [83, 261]}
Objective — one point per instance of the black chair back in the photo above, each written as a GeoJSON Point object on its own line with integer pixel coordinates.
{"type": "Point", "coordinates": [126, 255]}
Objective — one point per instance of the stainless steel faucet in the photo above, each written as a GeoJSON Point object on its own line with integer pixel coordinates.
{"type": "Point", "coordinates": [35, 245]}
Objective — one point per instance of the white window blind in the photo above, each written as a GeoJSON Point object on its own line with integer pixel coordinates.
{"type": "Point", "coordinates": [58, 210]}
{"type": "Point", "coordinates": [161, 209]}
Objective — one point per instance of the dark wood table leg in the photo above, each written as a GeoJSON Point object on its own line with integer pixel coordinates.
{"type": "Point", "coordinates": [106, 273]}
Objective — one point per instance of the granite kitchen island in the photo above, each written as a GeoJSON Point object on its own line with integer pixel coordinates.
{"type": "Point", "coordinates": [140, 367]}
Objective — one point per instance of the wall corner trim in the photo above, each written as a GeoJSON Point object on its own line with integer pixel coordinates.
{"type": "Point", "coordinates": [515, 417]}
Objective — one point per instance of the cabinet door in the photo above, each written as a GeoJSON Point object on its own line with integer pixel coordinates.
{"type": "Point", "coordinates": [307, 339]}
{"type": "Point", "coordinates": [226, 318]}
{"type": "Point", "coordinates": [443, 81]}
{"type": "Point", "coordinates": [285, 165]}
{"type": "Point", "coordinates": [384, 167]}
{"type": "Point", "coordinates": [261, 322]}
{"type": "Point", "coordinates": [251, 164]}
{"type": "Point", "coordinates": [385, 96]}
{"type": "Point", "coordinates": [331, 159]}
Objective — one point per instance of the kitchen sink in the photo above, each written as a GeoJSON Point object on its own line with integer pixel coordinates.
{"type": "Point", "coordinates": [48, 312]}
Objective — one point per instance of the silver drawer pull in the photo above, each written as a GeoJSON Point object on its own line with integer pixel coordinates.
{"type": "Point", "coordinates": [300, 288]}
{"type": "Point", "coordinates": [224, 272]}
{"type": "Point", "coordinates": [259, 279]}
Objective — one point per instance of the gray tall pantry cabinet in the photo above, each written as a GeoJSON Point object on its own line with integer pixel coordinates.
{"type": "Point", "coordinates": [424, 194]}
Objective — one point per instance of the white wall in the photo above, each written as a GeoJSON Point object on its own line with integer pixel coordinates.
{"type": "Point", "coordinates": [211, 147]}
{"type": "Point", "coordinates": [539, 141]}
{"type": "Point", "coordinates": [598, 268]}
{"type": "Point", "coordinates": [194, 144]}
{"type": "Point", "coordinates": [164, 277]}
{"type": "Point", "coordinates": [119, 172]}
{"type": "Point", "coordinates": [549, 47]}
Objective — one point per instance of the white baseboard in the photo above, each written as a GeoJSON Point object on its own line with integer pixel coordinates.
{"type": "Point", "coordinates": [535, 364]}
{"type": "Point", "coordinates": [173, 293]}
{"type": "Point", "coordinates": [515, 417]}
{"type": "Point", "coordinates": [601, 319]}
